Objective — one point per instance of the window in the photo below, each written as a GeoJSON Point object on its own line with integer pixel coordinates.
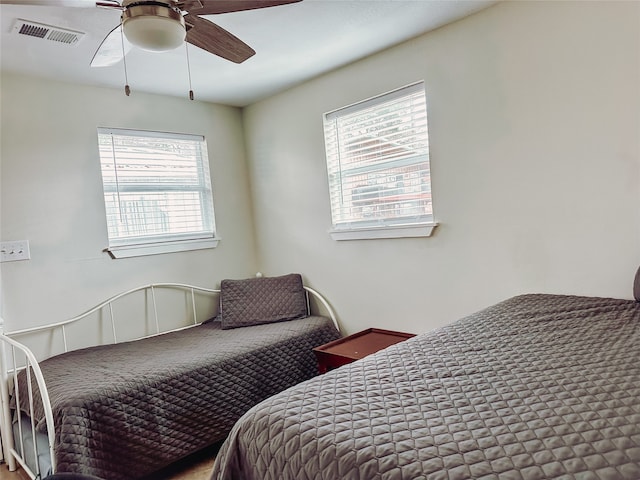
{"type": "Point", "coordinates": [157, 192]}
{"type": "Point", "coordinates": [378, 167]}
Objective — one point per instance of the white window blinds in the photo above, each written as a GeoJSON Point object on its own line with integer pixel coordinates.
{"type": "Point", "coordinates": [157, 187]}
{"type": "Point", "coordinates": [378, 162]}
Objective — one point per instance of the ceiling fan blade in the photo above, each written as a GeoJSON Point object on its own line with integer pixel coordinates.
{"type": "Point", "coordinates": [216, 40]}
{"type": "Point", "coordinates": [211, 7]}
{"type": "Point", "coordinates": [110, 50]}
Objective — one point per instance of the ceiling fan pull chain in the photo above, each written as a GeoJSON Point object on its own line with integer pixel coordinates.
{"type": "Point", "coordinates": [127, 89]}
{"type": "Point", "coordinates": [186, 46]}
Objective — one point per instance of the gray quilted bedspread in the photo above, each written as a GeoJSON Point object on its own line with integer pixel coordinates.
{"type": "Point", "coordinates": [535, 387]}
{"type": "Point", "coordinates": [123, 411]}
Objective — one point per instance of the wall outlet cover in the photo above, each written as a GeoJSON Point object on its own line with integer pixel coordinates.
{"type": "Point", "coordinates": [13, 251]}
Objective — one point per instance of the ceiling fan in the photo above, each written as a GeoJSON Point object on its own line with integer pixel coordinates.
{"type": "Point", "coordinates": [162, 25]}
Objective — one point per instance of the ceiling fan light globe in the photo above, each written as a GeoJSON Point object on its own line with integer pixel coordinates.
{"type": "Point", "coordinates": [153, 28]}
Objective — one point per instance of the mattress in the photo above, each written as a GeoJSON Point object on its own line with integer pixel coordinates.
{"type": "Point", "coordinates": [23, 441]}
{"type": "Point", "coordinates": [123, 411]}
{"type": "Point", "coordinates": [535, 387]}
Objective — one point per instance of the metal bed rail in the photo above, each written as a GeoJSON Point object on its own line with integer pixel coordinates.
{"type": "Point", "coordinates": [9, 376]}
{"type": "Point", "coordinates": [109, 304]}
{"type": "Point", "coordinates": [323, 301]}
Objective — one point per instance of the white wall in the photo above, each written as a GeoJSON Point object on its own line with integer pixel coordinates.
{"type": "Point", "coordinates": [51, 194]}
{"type": "Point", "coordinates": [535, 145]}
{"type": "Point", "coordinates": [535, 139]}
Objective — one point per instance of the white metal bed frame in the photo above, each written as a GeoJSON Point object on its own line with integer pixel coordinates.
{"type": "Point", "coordinates": [9, 369]}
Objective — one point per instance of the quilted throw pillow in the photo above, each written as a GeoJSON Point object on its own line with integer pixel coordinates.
{"type": "Point", "coordinates": [255, 301]}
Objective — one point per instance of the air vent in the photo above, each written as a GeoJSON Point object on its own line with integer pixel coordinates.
{"type": "Point", "coordinates": [47, 32]}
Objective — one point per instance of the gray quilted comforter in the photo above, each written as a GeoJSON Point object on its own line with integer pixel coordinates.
{"type": "Point", "coordinates": [123, 411]}
{"type": "Point", "coordinates": [535, 387]}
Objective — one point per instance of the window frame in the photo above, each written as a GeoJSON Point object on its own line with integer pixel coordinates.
{"type": "Point", "coordinates": [153, 244]}
{"type": "Point", "coordinates": [422, 223]}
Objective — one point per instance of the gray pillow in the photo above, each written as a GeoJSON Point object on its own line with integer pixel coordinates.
{"type": "Point", "coordinates": [255, 301]}
{"type": "Point", "coordinates": [636, 286]}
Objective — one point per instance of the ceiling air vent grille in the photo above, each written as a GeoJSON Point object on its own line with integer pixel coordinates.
{"type": "Point", "coordinates": [47, 32]}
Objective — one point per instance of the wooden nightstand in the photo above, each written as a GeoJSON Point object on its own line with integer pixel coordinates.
{"type": "Point", "coordinates": [354, 347]}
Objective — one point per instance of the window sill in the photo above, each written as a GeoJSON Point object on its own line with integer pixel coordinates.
{"type": "Point", "coordinates": [369, 233]}
{"type": "Point", "coordinates": [128, 251]}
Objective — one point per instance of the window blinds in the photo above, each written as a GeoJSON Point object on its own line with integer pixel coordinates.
{"type": "Point", "coordinates": [157, 187]}
{"type": "Point", "coordinates": [378, 161]}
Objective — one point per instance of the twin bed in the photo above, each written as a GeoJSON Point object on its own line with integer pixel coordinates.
{"type": "Point", "coordinates": [535, 387]}
{"type": "Point", "coordinates": [127, 409]}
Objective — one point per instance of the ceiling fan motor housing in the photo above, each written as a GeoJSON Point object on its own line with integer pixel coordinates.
{"type": "Point", "coordinates": [153, 25]}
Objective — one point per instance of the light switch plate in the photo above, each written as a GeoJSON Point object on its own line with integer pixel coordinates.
{"type": "Point", "coordinates": [13, 251]}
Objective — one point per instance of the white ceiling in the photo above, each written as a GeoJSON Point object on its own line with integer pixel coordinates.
{"type": "Point", "coordinates": [293, 43]}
